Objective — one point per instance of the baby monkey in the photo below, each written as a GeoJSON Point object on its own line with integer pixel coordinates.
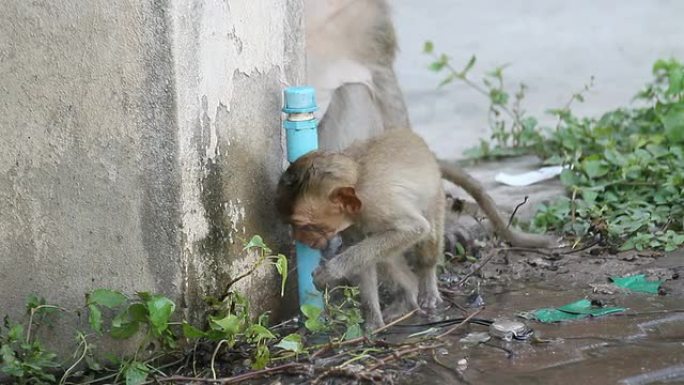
{"type": "Point", "coordinates": [389, 189]}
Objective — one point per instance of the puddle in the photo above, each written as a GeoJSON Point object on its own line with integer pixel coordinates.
{"type": "Point", "coordinates": [644, 345]}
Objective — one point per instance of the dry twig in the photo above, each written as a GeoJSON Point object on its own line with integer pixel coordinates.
{"type": "Point", "coordinates": [457, 326]}
{"type": "Point", "coordinates": [478, 268]}
{"type": "Point", "coordinates": [515, 211]}
{"type": "Point", "coordinates": [401, 354]}
{"type": "Point", "coordinates": [292, 366]}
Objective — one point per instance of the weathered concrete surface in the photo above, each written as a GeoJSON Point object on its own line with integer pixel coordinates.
{"type": "Point", "coordinates": [232, 60]}
{"type": "Point", "coordinates": [139, 145]}
{"type": "Point", "coordinates": [553, 46]}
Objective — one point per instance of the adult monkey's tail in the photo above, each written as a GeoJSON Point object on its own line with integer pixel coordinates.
{"type": "Point", "coordinates": [458, 176]}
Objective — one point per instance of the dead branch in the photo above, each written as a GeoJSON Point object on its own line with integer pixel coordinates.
{"type": "Point", "coordinates": [454, 328]}
{"type": "Point", "coordinates": [515, 211]}
{"type": "Point", "coordinates": [296, 367]}
{"type": "Point", "coordinates": [478, 268]}
{"type": "Point", "coordinates": [401, 354]}
{"type": "Point", "coordinates": [359, 375]}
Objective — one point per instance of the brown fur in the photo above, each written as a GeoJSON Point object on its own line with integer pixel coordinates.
{"type": "Point", "coordinates": [351, 46]}
{"type": "Point", "coordinates": [397, 181]}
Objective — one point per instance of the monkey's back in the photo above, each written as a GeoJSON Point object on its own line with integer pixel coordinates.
{"type": "Point", "coordinates": [397, 173]}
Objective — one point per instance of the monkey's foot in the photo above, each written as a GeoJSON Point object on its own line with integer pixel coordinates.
{"type": "Point", "coordinates": [399, 308]}
{"type": "Point", "coordinates": [373, 323]}
{"type": "Point", "coordinates": [430, 298]}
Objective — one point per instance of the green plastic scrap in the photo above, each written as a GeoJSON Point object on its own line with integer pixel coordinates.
{"type": "Point", "coordinates": [637, 283]}
{"type": "Point", "coordinates": [572, 311]}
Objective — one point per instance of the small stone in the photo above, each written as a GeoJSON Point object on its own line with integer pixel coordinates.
{"type": "Point", "coordinates": [508, 330]}
{"type": "Point", "coordinates": [475, 300]}
{"type": "Point", "coordinates": [603, 288]}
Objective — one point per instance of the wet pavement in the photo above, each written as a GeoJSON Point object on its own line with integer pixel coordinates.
{"type": "Point", "coordinates": [644, 345]}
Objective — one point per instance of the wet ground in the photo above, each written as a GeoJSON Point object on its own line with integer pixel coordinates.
{"type": "Point", "coordinates": [644, 345]}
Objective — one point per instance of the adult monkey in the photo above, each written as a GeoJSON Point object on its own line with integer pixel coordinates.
{"type": "Point", "coordinates": [388, 188]}
{"type": "Point", "coordinates": [351, 47]}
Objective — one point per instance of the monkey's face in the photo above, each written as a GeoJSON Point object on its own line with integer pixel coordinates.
{"type": "Point", "coordinates": [316, 221]}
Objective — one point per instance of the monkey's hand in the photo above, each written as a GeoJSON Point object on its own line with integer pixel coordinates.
{"type": "Point", "coordinates": [323, 277]}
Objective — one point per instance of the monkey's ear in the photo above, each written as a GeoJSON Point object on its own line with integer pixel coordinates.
{"type": "Point", "coordinates": [346, 196]}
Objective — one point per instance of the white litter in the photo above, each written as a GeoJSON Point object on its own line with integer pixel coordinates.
{"type": "Point", "coordinates": [529, 178]}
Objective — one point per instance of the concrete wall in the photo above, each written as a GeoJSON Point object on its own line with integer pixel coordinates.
{"type": "Point", "coordinates": [140, 144]}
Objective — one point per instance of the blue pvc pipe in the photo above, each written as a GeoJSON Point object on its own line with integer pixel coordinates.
{"type": "Point", "coordinates": [302, 137]}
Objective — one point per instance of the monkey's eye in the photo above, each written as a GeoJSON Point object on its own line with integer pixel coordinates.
{"type": "Point", "coordinates": [312, 228]}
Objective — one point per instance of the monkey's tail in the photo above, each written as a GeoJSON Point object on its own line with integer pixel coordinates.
{"type": "Point", "coordinates": [457, 175]}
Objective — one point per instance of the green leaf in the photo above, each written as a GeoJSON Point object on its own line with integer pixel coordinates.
{"type": "Point", "coordinates": [137, 312]}
{"type": "Point", "coordinates": [311, 311]}
{"type": "Point", "coordinates": [674, 124]}
{"type": "Point", "coordinates": [291, 342]}
{"type": "Point", "coordinates": [568, 177]}
{"type": "Point", "coordinates": [105, 297]}
{"type": "Point", "coordinates": [660, 65]}
{"type": "Point", "coordinates": [353, 331]}
{"type": "Point", "coordinates": [436, 66]}
{"type": "Point", "coordinates": [313, 317]}
{"type": "Point", "coordinates": [439, 64]}
{"type": "Point", "coordinates": [230, 324]}
{"type": "Point", "coordinates": [259, 333]}
{"type": "Point", "coordinates": [281, 266]}
{"type": "Point", "coordinates": [10, 365]}
{"type": "Point", "coordinates": [614, 157]}
{"type": "Point", "coordinates": [33, 301]}
{"type": "Point", "coordinates": [676, 80]}
{"type": "Point", "coordinates": [257, 242]}
{"type": "Point", "coordinates": [160, 309]}
{"type": "Point", "coordinates": [469, 66]}
{"type": "Point", "coordinates": [262, 356]}
{"type": "Point", "coordinates": [190, 331]}
{"type": "Point", "coordinates": [95, 318]}
{"type": "Point", "coordinates": [136, 373]}
{"type": "Point", "coordinates": [498, 97]}
{"type": "Point", "coordinates": [16, 333]}
{"type": "Point", "coordinates": [8, 357]}
{"type": "Point", "coordinates": [637, 283]}
{"type": "Point", "coordinates": [124, 330]}
{"type": "Point", "coordinates": [589, 196]}
{"type": "Point", "coordinates": [460, 250]}
{"type": "Point", "coordinates": [428, 47]}
{"type": "Point", "coordinates": [594, 168]}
